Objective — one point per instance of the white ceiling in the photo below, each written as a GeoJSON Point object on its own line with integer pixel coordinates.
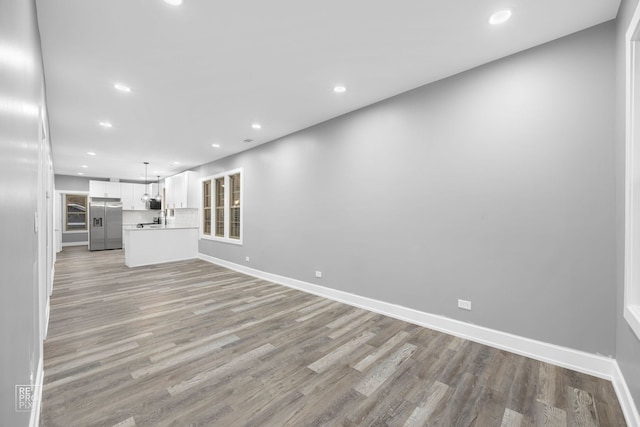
{"type": "Point", "coordinates": [203, 72]}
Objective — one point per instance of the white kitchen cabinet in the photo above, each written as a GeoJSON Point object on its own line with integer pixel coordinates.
{"type": "Point", "coordinates": [138, 192]}
{"type": "Point", "coordinates": [97, 188]}
{"type": "Point", "coordinates": [104, 189]}
{"type": "Point", "coordinates": [126, 196]}
{"type": "Point", "coordinates": [173, 191]}
{"type": "Point", "coordinates": [154, 189]}
{"type": "Point", "coordinates": [182, 190]}
{"type": "Point", "coordinates": [147, 246]}
{"type": "Point", "coordinates": [172, 187]}
{"type": "Point", "coordinates": [131, 196]}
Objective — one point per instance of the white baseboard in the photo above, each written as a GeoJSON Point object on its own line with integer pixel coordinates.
{"type": "Point", "coordinates": [580, 361]}
{"type": "Point", "coordinates": [627, 404]}
{"type": "Point", "coordinates": [34, 418]}
{"type": "Point", "coordinates": [75, 244]}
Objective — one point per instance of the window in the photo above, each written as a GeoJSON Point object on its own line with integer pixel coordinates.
{"type": "Point", "coordinates": [234, 206]}
{"type": "Point", "coordinates": [75, 212]}
{"type": "Point", "coordinates": [222, 207]}
{"type": "Point", "coordinates": [206, 207]}
{"type": "Point", "coordinates": [632, 178]}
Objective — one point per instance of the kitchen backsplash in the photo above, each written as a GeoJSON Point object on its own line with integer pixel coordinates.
{"type": "Point", "coordinates": [181, 217]}
{"type": "Point", "coordinates": [186, 217]}
{"type": "Point", "coordinates": [137, 217]}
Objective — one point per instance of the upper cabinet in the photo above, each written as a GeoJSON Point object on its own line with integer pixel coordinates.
{"type": "Point", "coordinates": [138, 192]}
{"type": "Point", "coordinates": [181, 191]}
{"type": "Point", "coordinates": [104, 189]}
{"type": "Point", "coordinates": [132, 196]}
{"type": "Point", "coordinates": [154, 190]}
{"type": "Point", "coordinates": [129, 193]}
{"type": "Point", "coordinates": [126, 192]}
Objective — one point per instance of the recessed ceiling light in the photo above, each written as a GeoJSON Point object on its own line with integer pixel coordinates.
{"type": "Point", "coordinates": [339, 89]}
{"type": "Point", "coordinates": [84, 166]}
{"type": "Point", "coordinates": [215, 145]}
{"type": "Point", "coordinates": [173, 2]}
{"type": "Point", "coordinates": [256, 126]}
{"type": "Point", "coordinates": [121, 87]}
{"type": "Point", "coordinates": [176, 163]}
{"type": "Point", "coordinates": [106, 125]}
{"type": "Point", "coordinates": [91, 153]}
{"type": "Point", "coordinates": [80, 173]}
{"type": "Point", "coordinates": [500, 17]}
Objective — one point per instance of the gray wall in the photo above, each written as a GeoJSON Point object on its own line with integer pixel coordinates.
{"type": "Point", "coordinates": [495, 185]}
{"type": "Point", "coordinates": [22, 173]}
{"type": "Point", "coordinates": [627, 344]}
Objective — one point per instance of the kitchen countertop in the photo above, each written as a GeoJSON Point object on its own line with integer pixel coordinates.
{"type": "Point", "coordinates": [158, 227]}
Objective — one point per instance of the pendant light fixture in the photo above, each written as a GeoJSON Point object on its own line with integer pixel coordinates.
{"type": "Point", "coordinates": [158, 196]}
{"type": "Point", "coordinates": [145, 197]}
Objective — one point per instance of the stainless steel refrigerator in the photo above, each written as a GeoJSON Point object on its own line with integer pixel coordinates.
{"type": "Point", "coordinates": [105, 227]}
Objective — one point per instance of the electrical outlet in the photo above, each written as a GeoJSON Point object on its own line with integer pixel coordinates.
{"type": "Point", "coordinates": [247, 259]}
{"type": "Point", "coordinates": [464, 304]}
{"type": "Point", "coordinates": [319, 274]}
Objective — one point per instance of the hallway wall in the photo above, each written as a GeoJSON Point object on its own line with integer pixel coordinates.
{"type": "Point", "coordinates": [26, 189]}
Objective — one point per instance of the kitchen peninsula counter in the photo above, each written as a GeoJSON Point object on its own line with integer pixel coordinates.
{"type": "Point", "coordinates": [155, 244]}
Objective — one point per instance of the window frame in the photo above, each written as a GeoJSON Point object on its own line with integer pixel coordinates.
{"type": "Point", "coordinates": [65, 213]}
{"type": "Point", "coordinates": [213, 188]}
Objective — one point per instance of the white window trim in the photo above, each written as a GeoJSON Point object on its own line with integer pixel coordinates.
{"type": "Point", "coordinates": [64, 213]}
{"type": "Point", "coordinates": [632, 176]}
{"type": "Point", "coordinates": [213, 178]}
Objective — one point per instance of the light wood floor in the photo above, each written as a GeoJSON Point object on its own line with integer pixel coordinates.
{"type": "Point", "coordinates": [191, 343]}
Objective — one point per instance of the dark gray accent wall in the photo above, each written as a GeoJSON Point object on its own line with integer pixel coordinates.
{"type": "Point", "coordinates": [23, 196]}
{"type": "Point", "coordinates": [71, 183]}
{"type": "Point", "coordinates": [627, 344]}
{"type": "Point", "coordinates": [496, 186]}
